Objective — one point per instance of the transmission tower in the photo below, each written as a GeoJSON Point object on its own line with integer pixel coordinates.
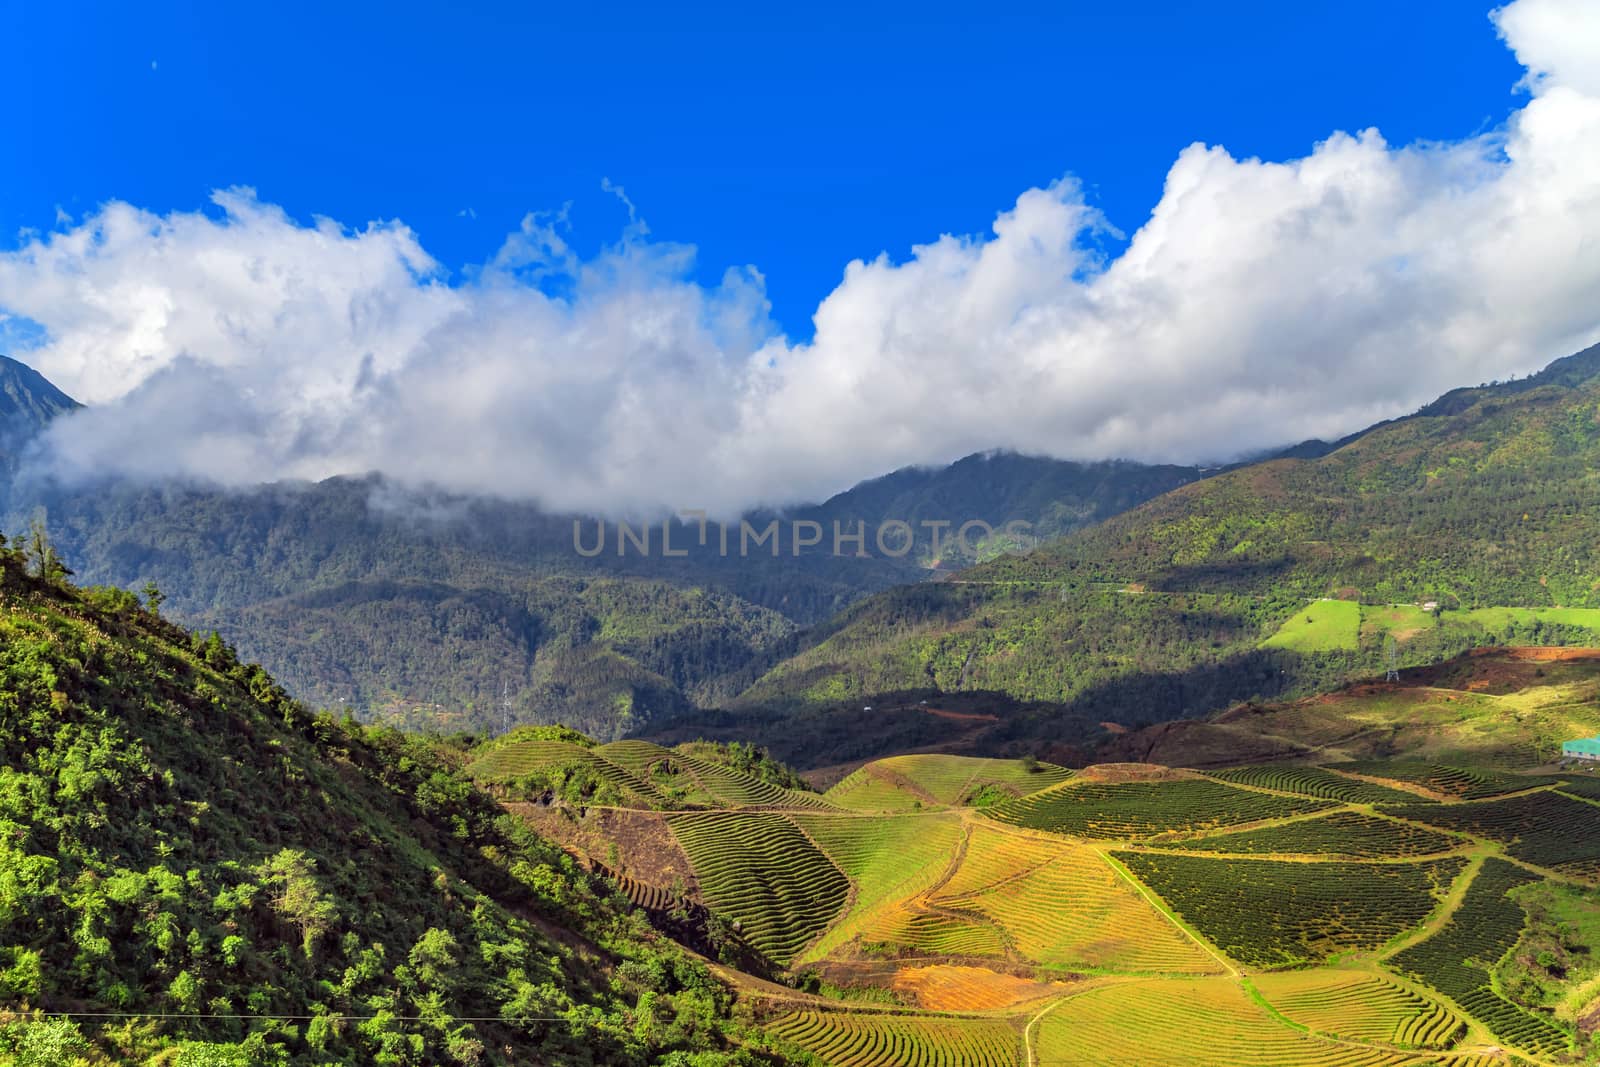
{"type": "Point", "coordinates": [505, 707]}
{"type": "Point", "coordinates": [1391, 657]}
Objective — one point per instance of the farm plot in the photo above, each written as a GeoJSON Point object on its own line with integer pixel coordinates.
{"type": "Point", "coordinates": [1545, 828]}
{"type": "Point", "coordinates": [758, 869]}
{"type": "Point", "coordinates": [1457, 959]}
{"type": "Point", "coordinates": [931, 933]}
{"type": "Point", "coordinates": [1314, 782]}
{"type": "Point", "coordinates": [1177, 1021]}
{"type": "Point", "coordinates": [1362, 1006]}
{"type": "Point", "coordinates": [950, 987]}
{"type": "Point", "coordinates": [890, 860]}
{"type": "Point", "coordinates": [845, 1039]}
{"type": "Point", "coordinates": [1460, 782]}
{"type": "Point", "coordinates": [1063, 905]}
{"type": "Point", "coordinates": [522, 759]}
{"type": "Point", "coordinates": [1271, 913]}
{"type": "Point", "coordinates": [697, 781]}
{"type": "Point", "coordinates": [874, 788]}
{"type": "Point", "coordinates": [1142, 809]}
{"type": "Point", "coordinates": [1344, 833]}
{"type": "Point", "coordinates": [957, 780]}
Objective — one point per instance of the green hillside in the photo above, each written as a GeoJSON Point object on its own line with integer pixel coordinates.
{"type": "Point", "coordinates": [196, 870]}
{"type": "Point", "coordinates": [1281, 577]}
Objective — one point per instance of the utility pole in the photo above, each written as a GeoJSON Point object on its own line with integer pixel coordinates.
{"type": "Point", "coordinates": [505, 706]}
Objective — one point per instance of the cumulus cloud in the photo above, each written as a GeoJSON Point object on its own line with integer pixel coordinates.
{"type": "Point", "coordinates": [1261, 303]}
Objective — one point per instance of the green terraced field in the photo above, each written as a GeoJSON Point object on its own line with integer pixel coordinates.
{"type": "Point", "coordinates": [758, 869]}
{"type": "Point", "coordinates": [1362, 1006]}
{"type": "Point", "coordinates": [1142, 809]}
{"type": "Point", "coordinates": [1272, 913]}
{"type": "Point", "coordinates": [1460, 782]}
{"type": "Point", "coordinates": [846, 1039]}
{"type": "Point", "coordinates": [872, 788]}
{"type": "Point", "coordinates": [1315, 782]}
{"type": "Point", "coordinates": [701, 781]}
{"type": "Point", "coordinates": [1344, 833]}
{"type": "Point", "coordinates": [888, 860]}
{"type": "Point", "coordinates": [1545, 828]}
{"type": "Point", "coordinates": [1208, 1021]}
{"type": "Point", "coordinates": [1457, 958]}
{"type": "Point", "coordinates": [954, 779]}
{"type": "Point", "coordinates": [520, 758]}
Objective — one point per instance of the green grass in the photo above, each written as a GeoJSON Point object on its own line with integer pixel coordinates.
{"type": "Point", "coordinates": [1500, 618]}
{"type": "Point", "coordinates": [1321, 626]}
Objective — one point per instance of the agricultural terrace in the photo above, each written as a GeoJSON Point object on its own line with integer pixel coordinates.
{"type": "Point", "coordinates": [757, 869]}
{"type": "Point", "coordinates": [962, 780]}
{"type": "Point", "coordinates": [1461, 783]}
{"type": "Point", "coordinates": [845, 1039]}
{"type": "Point", "coordinates": [1314, 782]}
{"type": "Point", "coordinates": [888, 860]}
{"type": "Point", "coordinates": [1272, 913]}
{"type": "Point", "coordinates": [1544, 828]}
{"type": "Point", "coordinates": [1344, 833]}
{"type": "Point", "coordinates": [1122, 810]}
{"type": "Point", "coordinates": [1457, 959]}
{"type": "Point", "coordinates": [1362, 1006]}
{"type": "Point", "coordinates": [1178, 1021]}
{"type": "Point", "coordinates": [556, 763]}
{"type": "Point", "coordinates": [695, 781]}
{"type": "Point", "coordinates": [1062, 905]}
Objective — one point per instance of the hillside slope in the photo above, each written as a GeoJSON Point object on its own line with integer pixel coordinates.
{"type": "Point", "coordinates": [192, 862]}
{"type": "Point", "coordinates": [1483, 499]}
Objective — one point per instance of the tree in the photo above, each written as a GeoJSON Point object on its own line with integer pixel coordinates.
{"type": "Point", "coordinates": [41, 554]}
{"type": "Point", "coordinates": [153, 597]}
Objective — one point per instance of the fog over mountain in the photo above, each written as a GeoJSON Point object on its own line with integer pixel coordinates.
{"type": "Point", "coordinates": [1262, 302]}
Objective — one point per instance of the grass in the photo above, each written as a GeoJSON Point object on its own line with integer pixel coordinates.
{"type": "Point", "coordinates": [1321, 626]}
{"type": "Point", "coordinates": [844, 1039]}
{"type": "Point", "coordinates": [518, 759]}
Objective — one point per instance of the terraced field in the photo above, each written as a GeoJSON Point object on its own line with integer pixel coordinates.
{"type": "Point", "coordinates": [518, 759]}
{"type": "Point", "coordinates": [700, 781]}
{"type": "Point", "coordinates": [874, 788]}
{"type": "Point", "coordinates": [759, 870]}
{"type": "Point", "coordinates": [888, 860]}
{"type": "Point", "coordinates": [860, 1040]}
{"type": "Point", "coordinates": [952, 987]}
{"type": "Point", "coordinates": [954, 779]}
{"type": "Point", "coordinates": [1063, 905]}
{"type": "Point", "coordinates": [1344, 833]}
{"type": "Point", "coordinates": [1457, 959]}
{"type": "Point", "coordinates": [1124, 810]}
{"type": "Point", "coordinates": [1175, 1021]}
{"type": "Point", "coordinates": [1272, 913]}
{"type": "Point", "coordinates": [1544, 828]}
{"type": "Point", "coordinates": [1314, 782]}
{"type": "Point", "coordinates": [1461, 783]}
{"type": "Point", "coordinates": [1360, 1005]}
{"type": "Point", "coordinates": [925, 933]}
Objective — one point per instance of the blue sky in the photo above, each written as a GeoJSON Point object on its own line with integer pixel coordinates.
{"type": "Point", "coordinates": [1284, 271]}
{"type": "Point", "coordinates": [794, 140]}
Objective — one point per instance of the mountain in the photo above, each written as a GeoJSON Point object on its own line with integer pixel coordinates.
{"type": "Point", "coordinates": [1279, 577]}
{"type": "Point", "coordinates": [436, 610]}
{"type": "Point", "coordinates": [27, 404]}
{"type": "Point", "coordinates": [196, 869]}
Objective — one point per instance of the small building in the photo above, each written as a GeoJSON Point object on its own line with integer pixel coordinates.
{"type": "Point", "coordinates": [1586, 748]}
{"type": "Point", "coordinates": [1430, 605]}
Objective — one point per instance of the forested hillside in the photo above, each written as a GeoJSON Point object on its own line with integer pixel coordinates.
{"type": "Point", "coordinates": [1483, 500]}
{"type": "Point", "coordinates": [195, 869]}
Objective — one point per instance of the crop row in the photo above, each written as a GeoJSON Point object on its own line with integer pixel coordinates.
{"type": "Point", "coordinates": [1270, 913]}
{"type": "Point", "coordinates": [859, 1040]}
{"type": "Point", "coordinates": [1177, 1021]}
{"type": "Point", "coordinates": [520, 759]}
{"type": "Point", "coordinates": [1314, 782]}
{"type": "Point", "coordinates": [1458, 958]}
{"type": "Point", "coordinates": [1362, 1006]}
{"type": "Point", "coordinates": [1142, 809]}
{"type": "Point", "coordinates": [1461, 782]}
{"type": "Point", "coordinates": [1544, 828]}
{"type": "Point", "coordinates": [757, 869]}
{"type": "Point", "coordinates": [703, 781]}
{"type": "Point", "coordinates": [1344, 833]}
{"type": "Point", "coordinates": [954, 779]}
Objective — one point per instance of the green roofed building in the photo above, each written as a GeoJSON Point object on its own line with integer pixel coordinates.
{"type": "Point", "coordinates": [1587, 748]}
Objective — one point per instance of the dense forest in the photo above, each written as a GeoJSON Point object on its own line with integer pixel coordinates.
{"type": "Point", "coordinates": [197, 867]}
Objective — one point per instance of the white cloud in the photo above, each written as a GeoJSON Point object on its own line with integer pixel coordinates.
{"type": "Point", "coordinates": [1261, 303]}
